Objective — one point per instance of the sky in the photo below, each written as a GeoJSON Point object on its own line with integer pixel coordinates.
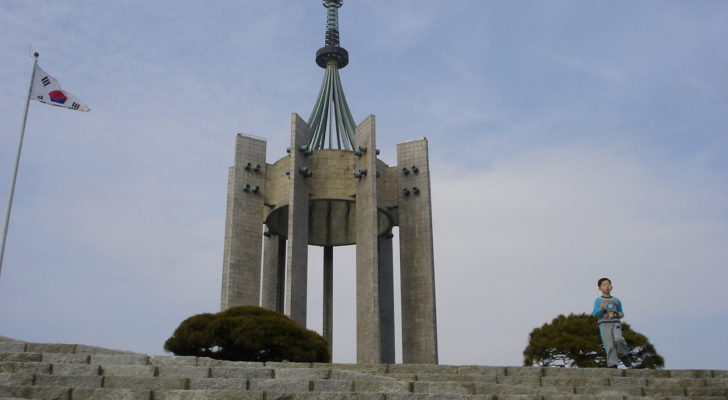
{"type": "Point", "coordinates": [569, 140]}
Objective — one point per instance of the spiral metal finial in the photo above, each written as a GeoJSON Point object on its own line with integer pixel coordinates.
{"type": "Point", "coordinates": [332, 21]}
{"type": "Point", "coordinates": [332, 49]}
{"type": "Point", "coordinates": [330, 122]}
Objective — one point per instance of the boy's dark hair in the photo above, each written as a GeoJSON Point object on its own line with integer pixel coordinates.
{"type": "Point", "coordinates": [602, 280]}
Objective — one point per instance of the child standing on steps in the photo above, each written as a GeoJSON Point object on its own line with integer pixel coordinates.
{"type": "Point", "coordinates": [608, 310]}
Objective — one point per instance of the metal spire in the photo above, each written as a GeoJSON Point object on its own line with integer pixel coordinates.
{"type": "Point", "coordinates": [331, 113]}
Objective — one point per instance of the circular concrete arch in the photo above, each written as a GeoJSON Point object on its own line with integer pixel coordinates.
{"type": "Point", "coordinates": [332, 199]}
{"type": "Point", "coordinates": [331, 222]}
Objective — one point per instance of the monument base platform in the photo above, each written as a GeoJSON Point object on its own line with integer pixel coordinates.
{"type": "Point", "coordinates": [75, 372]}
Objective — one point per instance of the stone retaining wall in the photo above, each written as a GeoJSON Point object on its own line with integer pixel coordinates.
{"type": "Point", "coordinates": [79, 372]}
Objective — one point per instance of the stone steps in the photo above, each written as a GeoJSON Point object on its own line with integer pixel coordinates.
{"type": "Point", "coordinates": [77, 372]}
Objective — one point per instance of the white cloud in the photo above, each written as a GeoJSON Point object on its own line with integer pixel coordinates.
{"type": "Point", "coordinates": [526, 240]}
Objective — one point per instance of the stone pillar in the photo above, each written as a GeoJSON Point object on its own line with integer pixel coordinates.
{"type": "Point", "coordinates": [417, 268]}
{"type": "Point", "coordinates": [274, 272]}
{"type": "Point", "coordinates": [297, 246]}
{"type": "Point", "coordinates": [328, 315]}
{"type": "Point", "coordinates": [386, 297]}
{"type": "Point", "coordinates": [368, 319]}
{"type": "Point", "coordinates": [243, 225]}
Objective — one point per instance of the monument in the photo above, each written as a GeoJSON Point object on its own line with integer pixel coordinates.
{"type": "Point", "coordinates": [332, 190]}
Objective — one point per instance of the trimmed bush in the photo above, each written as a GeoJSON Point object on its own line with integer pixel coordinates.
{"type": "Point", "coordinates": [573, 341]}
{"type": "Point", "coordinates": [247, 334]}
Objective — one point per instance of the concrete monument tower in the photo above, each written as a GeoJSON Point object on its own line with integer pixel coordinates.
{"type": "Point", "coordinates": [332, 190]}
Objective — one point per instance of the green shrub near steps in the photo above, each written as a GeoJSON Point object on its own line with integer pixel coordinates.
{"type": "Point", "coordinates": [247, 334]}
{"type": "Point", "coordinates": [573, 341]}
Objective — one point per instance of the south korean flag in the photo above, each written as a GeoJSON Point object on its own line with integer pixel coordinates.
{"type": "Point", "coordinates": [46, 89]}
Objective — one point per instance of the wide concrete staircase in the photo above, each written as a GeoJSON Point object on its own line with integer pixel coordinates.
{"type": "Point", "coordinates": [78, 372]}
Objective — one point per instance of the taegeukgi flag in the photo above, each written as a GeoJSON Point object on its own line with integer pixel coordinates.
{"type": "Point", "coordinates": [46, 89]}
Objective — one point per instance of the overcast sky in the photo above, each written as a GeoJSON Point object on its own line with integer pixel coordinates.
{"type": "Point", "coordinates": [569, 140]}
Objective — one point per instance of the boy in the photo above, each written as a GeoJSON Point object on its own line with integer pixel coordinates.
{"type": "Point", "coordinates": [608, 310]}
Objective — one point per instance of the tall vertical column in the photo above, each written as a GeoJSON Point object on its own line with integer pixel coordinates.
{"type": "Point", "coordinates": [368, 319]}
{"type": "Point", "coordinates": [328, 312]}
{"type": "Point", "coordinates": [244, 224]}
{"type": "Point", "coordinates": [274, 270]}
{"type": "Point", "coordinates": [417, 267]}
{"type": "Point", "coordinates": [386, 297]}
{"type": "Point", "coordinates": [297, 246]}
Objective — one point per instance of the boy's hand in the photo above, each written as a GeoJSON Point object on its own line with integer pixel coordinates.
{"type": "Point", "coordinates": [620, 315]}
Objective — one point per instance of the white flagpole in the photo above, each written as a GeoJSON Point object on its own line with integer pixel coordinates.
{"type": "Point", "coordinates": [15, 170]}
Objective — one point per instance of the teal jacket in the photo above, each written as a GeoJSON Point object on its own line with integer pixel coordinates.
{"type": "Point", "coordinates": [611, 310]}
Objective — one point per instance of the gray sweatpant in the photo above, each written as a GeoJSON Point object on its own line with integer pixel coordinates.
{"type": "Point", "coordinates": [614, 344]}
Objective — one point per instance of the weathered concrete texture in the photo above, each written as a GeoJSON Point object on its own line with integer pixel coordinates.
{"type": "Point", "coordinates": [76, 369]}
{"type": "Point", "coordinates": [17, 379]}
{"type": "Point", "coordinates": [68, 381]}
{"type": "Point", "coordinates": [320, 396]}
{"type": "Point", "coordinates": [518, 380]}
{"type": "Point", "coordinates": [481, 370]}
{"type": "Point", "coordinates": [720, 374]}
{"type": "Point", "coordinates": [525, 371]}
{"type": "Point", "coordinates": [332, 385]}
{"type": "Point", "coordinates": [607, 391]}
{"type": "Point", "coordinates": [55, 358]}
{"type": "Point", "coordinates": [280, 385]}
{"type": "Point", "coordinates": [417, 268]}
{"type": "Point", "coordinates": [128, 370]}
{"type": "Point", "coordinates": [241, 373]}
{"type": "Point", "coordinates": [183, 371]}
{"type": "Point", "coordinates": [577, 372]}
{"type": "Point", "coordinates": [35, 392]}
{"type": "Point", "coordinates": [210, 362]}
{"type": "Point", "coordinates": [139, 382]}
{"type": "Point", "coordinates": [359, 368]}
{"type": "Point", "coordinates": [218, 384]}
{"type": "Point", "coordinates": [184, 378]}
{"type": "Point", "coordinates": [446, 387]}
{"type": "Point", "coordinates": [112, 359]}
{"type": "Point", "coordinates": [297, 239]}
{"type": "Point", "coordinates": [243, 230]}
{"type": "Point", "coordinates": [339, 374]}
{"type": "Point", "coordinates": [111, 394]}
{"type": "Point", "coordinates": [25, 367]}
{"type": "Point", "coordinates": [10, 345]}
{"type": "Point", "coordinates": [20, 357]}
{"type": "Point", "coordinates": [332, 198]}
{"type": "Point", "coordinates": [274, 272]}
{"type": "Point", "coordinates": [50, 348]}
{"type": "Point", "coordinates": [301, 373]}
{"type": "Point", "coordinates": [690, 373]}
{"type": "Point", "coordinates": [383, 386]}
{"type": "Point", "coordinates": [207, 395]}
{"type": "Point", "coordinates": [176, 361]}
{"type": "Point", "coordinates": [429, 396]}
{"type": "Point", "coordinates": [368, 301]}
{"type": "Point", "coordinates": [332, 189]}
{"type": "Point", "coordinates": [83, 349]}
{"type": "Point", "coordinates": [454, 378]}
